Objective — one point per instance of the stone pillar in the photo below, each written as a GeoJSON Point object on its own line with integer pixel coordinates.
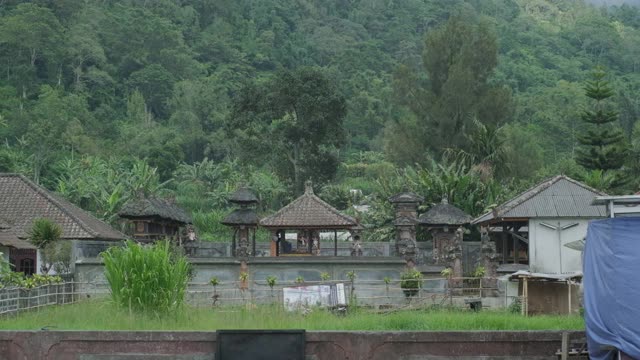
{"type": "Point", "coordinates": [243, 249]}
{"type": "Point", "coordinates": [406, 214]}
{"type": "Point", "coordinates": [406, 245]}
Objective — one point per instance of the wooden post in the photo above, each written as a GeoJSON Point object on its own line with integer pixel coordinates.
{"type": "Point", "coordinates": [569, 299]}
{"type": "Point", "coordinates": [335, 242]}
{"type": "Point", "coordinates": [253, 253]}
{"type": "Point", "coordinates": [233, 242]}
{"type": "Point", "coordinates": [525, 293]}
{"type": "Point", "coordinates": [564, 354]}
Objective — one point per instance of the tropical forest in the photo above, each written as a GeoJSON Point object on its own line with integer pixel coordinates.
{"type": "Point", "coordinates": [472, 100]}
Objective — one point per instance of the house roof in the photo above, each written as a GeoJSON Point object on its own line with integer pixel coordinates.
{"type": "Point", "coordinates": [22, 201]}
{"type": "Point", "coordinates": [559, 196]}
{"type": "Point", "coordinates": [9, 238]}
{"type": "Point", "coordinates": [309, 211]}
{"type": "Point", "coordinates": [154, 207]}
{"type": "Point", "coordinates": [241, 217]}
{"type": "Point", "coordinates": [243, 196]}
{"type": "Point", "coordinates": [406, 197]}
{"type": "Point", "coordinates": [444, 214]}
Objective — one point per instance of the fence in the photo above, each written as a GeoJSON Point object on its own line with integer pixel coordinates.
{"type": "Point", "coordinates": [456, 292]}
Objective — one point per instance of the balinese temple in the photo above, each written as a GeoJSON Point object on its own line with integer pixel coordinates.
{"type": "Point", "coordinates": [150, 219]}
{"type": "Point", "coordinates": [243, 220]}
{"type": "Point", "coordinates": [306, 217]}
{"type": "Point", "coordinates": [445, 223]}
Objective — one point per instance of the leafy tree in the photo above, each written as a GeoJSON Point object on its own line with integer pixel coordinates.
{"type": "Point", "coordinates": [603, 145]}
{"type": "Point", "coordinates": [459, 58]}
{"type": "Point", "coordinates": [296, 116]}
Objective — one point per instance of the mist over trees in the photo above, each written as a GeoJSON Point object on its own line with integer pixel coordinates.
{"type": "Point", "coordinates": [189, 98]}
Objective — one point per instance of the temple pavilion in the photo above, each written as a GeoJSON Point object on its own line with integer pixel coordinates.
{"type": "Point", "coordinates": [307, 217]}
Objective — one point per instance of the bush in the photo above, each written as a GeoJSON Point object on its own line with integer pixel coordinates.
{"type": "Point", "coordinates": [150, 278]}
{"type": "Point", "coordinates": [411, 282]}
{"type": "Point", "coordinates": [516, 306]}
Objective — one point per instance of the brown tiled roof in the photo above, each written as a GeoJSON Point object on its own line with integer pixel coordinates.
{"type": "Point", "coordinates": [9, 238]}
{"type": "Point", "coordinates": [154, 207]}
{"type": "Point", "coordinates": [309, 211]}
{"type": "Point", "coordinates": [22, 201]}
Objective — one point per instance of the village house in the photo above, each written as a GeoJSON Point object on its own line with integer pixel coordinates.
{"type": "Point", "coordinates": [22, 202]}
{"type": "Point", "coordinates": [531, 230]}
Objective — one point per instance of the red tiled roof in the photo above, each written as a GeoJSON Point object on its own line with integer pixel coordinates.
{"type": "Point", "coordinates": [22, 201]}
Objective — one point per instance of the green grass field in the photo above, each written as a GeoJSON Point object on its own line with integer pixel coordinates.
{"type": "Point", "coordinates": [104, 316]}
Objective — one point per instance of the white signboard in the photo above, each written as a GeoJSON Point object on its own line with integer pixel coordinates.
{"type": "Point", "coordinates": [298, 297]}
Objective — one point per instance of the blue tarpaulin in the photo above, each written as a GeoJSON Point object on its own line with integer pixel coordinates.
{"type": "Point", "coordinates": [612, 287]}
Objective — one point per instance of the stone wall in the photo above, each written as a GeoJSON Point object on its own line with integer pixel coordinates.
{"type": "Point", "coordinates": [320, 345]}
{"type": "Point", "coordinates": [370, 288]}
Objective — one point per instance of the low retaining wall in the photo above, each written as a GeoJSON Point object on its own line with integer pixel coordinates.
{"type": "Point", "coordinates": [320, 345]}
{"type": "Point", "coordinates": [369, 285]}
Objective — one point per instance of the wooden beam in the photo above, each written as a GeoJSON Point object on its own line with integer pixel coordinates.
{"type": "Point", "coordinates": [254, 242]}
{"type": "Point", "coordinates": [569, 298]}
{"type": "Point", "coordinates": [335, 242]}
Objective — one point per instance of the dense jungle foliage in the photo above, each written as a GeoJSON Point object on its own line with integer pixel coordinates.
{"type": "Point", "coordinates": [475, 99]}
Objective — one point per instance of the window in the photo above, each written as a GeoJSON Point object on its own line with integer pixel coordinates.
{"type": "Point", "coordinates": [139, 226]}
{"type": "Point", "coordinates": [27, 266]}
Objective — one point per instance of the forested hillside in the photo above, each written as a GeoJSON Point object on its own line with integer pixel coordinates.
{"type": "Point", "coordinates": [100, 100]}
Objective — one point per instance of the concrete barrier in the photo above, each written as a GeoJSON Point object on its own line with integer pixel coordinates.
{"type": "Point", "coordinates": [320, 345]}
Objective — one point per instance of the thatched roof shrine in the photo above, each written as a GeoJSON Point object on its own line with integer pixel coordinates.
{"type": "Point", "coordinates": [154, 208]}
{"type": "Point", "coordinates": [243, 196]}
{"type": "Point", "coordinates": [444, 214]}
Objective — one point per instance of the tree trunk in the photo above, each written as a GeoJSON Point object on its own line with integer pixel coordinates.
{"type": "Point", "coordinates": [296, 168]}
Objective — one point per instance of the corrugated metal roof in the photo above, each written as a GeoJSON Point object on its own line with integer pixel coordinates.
{"type": "Point", "coordinates": [560, 196]}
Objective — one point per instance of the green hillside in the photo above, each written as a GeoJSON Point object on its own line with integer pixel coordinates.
{"type": "Point", "coordinates": [475, 99]}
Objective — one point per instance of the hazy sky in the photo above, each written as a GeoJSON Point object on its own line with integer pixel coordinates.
{"type": "Point", "coordinates": [615, 2]}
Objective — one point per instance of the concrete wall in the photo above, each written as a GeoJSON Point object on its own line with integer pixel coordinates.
{"type": "Point", "coordinates": [547, 252]}
{"type": "Point", "coordinates": [370, 288]}
{"type": "Point", "coordinates": [320, 345]}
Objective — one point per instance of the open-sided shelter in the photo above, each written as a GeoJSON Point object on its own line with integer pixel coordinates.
{"type": "Point", "coordinates": [530, 230]}
{"type": "Point", "coordinates": [308, 215]}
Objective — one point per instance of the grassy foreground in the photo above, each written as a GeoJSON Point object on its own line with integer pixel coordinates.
{"type": "Point", "coordinates": [104, 316]}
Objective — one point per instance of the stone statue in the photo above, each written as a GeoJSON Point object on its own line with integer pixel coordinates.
{"type": "Point", "coordinates": [356, 248]}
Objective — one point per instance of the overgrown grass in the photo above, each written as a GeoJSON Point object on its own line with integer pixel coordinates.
{"type": "Point", "coordinates": [96, 315]}
{"type": "Point", "coordinates": [151, 278]}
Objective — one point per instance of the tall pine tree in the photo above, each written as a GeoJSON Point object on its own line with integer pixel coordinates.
{"type": "Point", "coordinates": [602, 142]}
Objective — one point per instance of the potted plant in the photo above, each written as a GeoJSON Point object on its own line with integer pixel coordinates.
{"type": "Point", "coordinates": [411, 282]}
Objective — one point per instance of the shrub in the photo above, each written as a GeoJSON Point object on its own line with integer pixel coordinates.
{"type": "Point", "coordinates": [272, 281]}
{"type": "Point", "coordinates": [411, 282]}
{"type": "Point", "coordinates": [325, 276]}
{"type": "Point", "coordinates": [44, 232]}
{"type": "Point", "coordinates": [149, 278]}
{"type": "Point", "coordinates": [516, 306]}
{"type": "Point", "coordinates": [479, 272]}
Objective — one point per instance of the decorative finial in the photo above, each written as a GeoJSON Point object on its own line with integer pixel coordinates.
{"type": "Point", "coordinates": [308, 187]}
{"type": "Point", "coordinates": [445, 200]}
